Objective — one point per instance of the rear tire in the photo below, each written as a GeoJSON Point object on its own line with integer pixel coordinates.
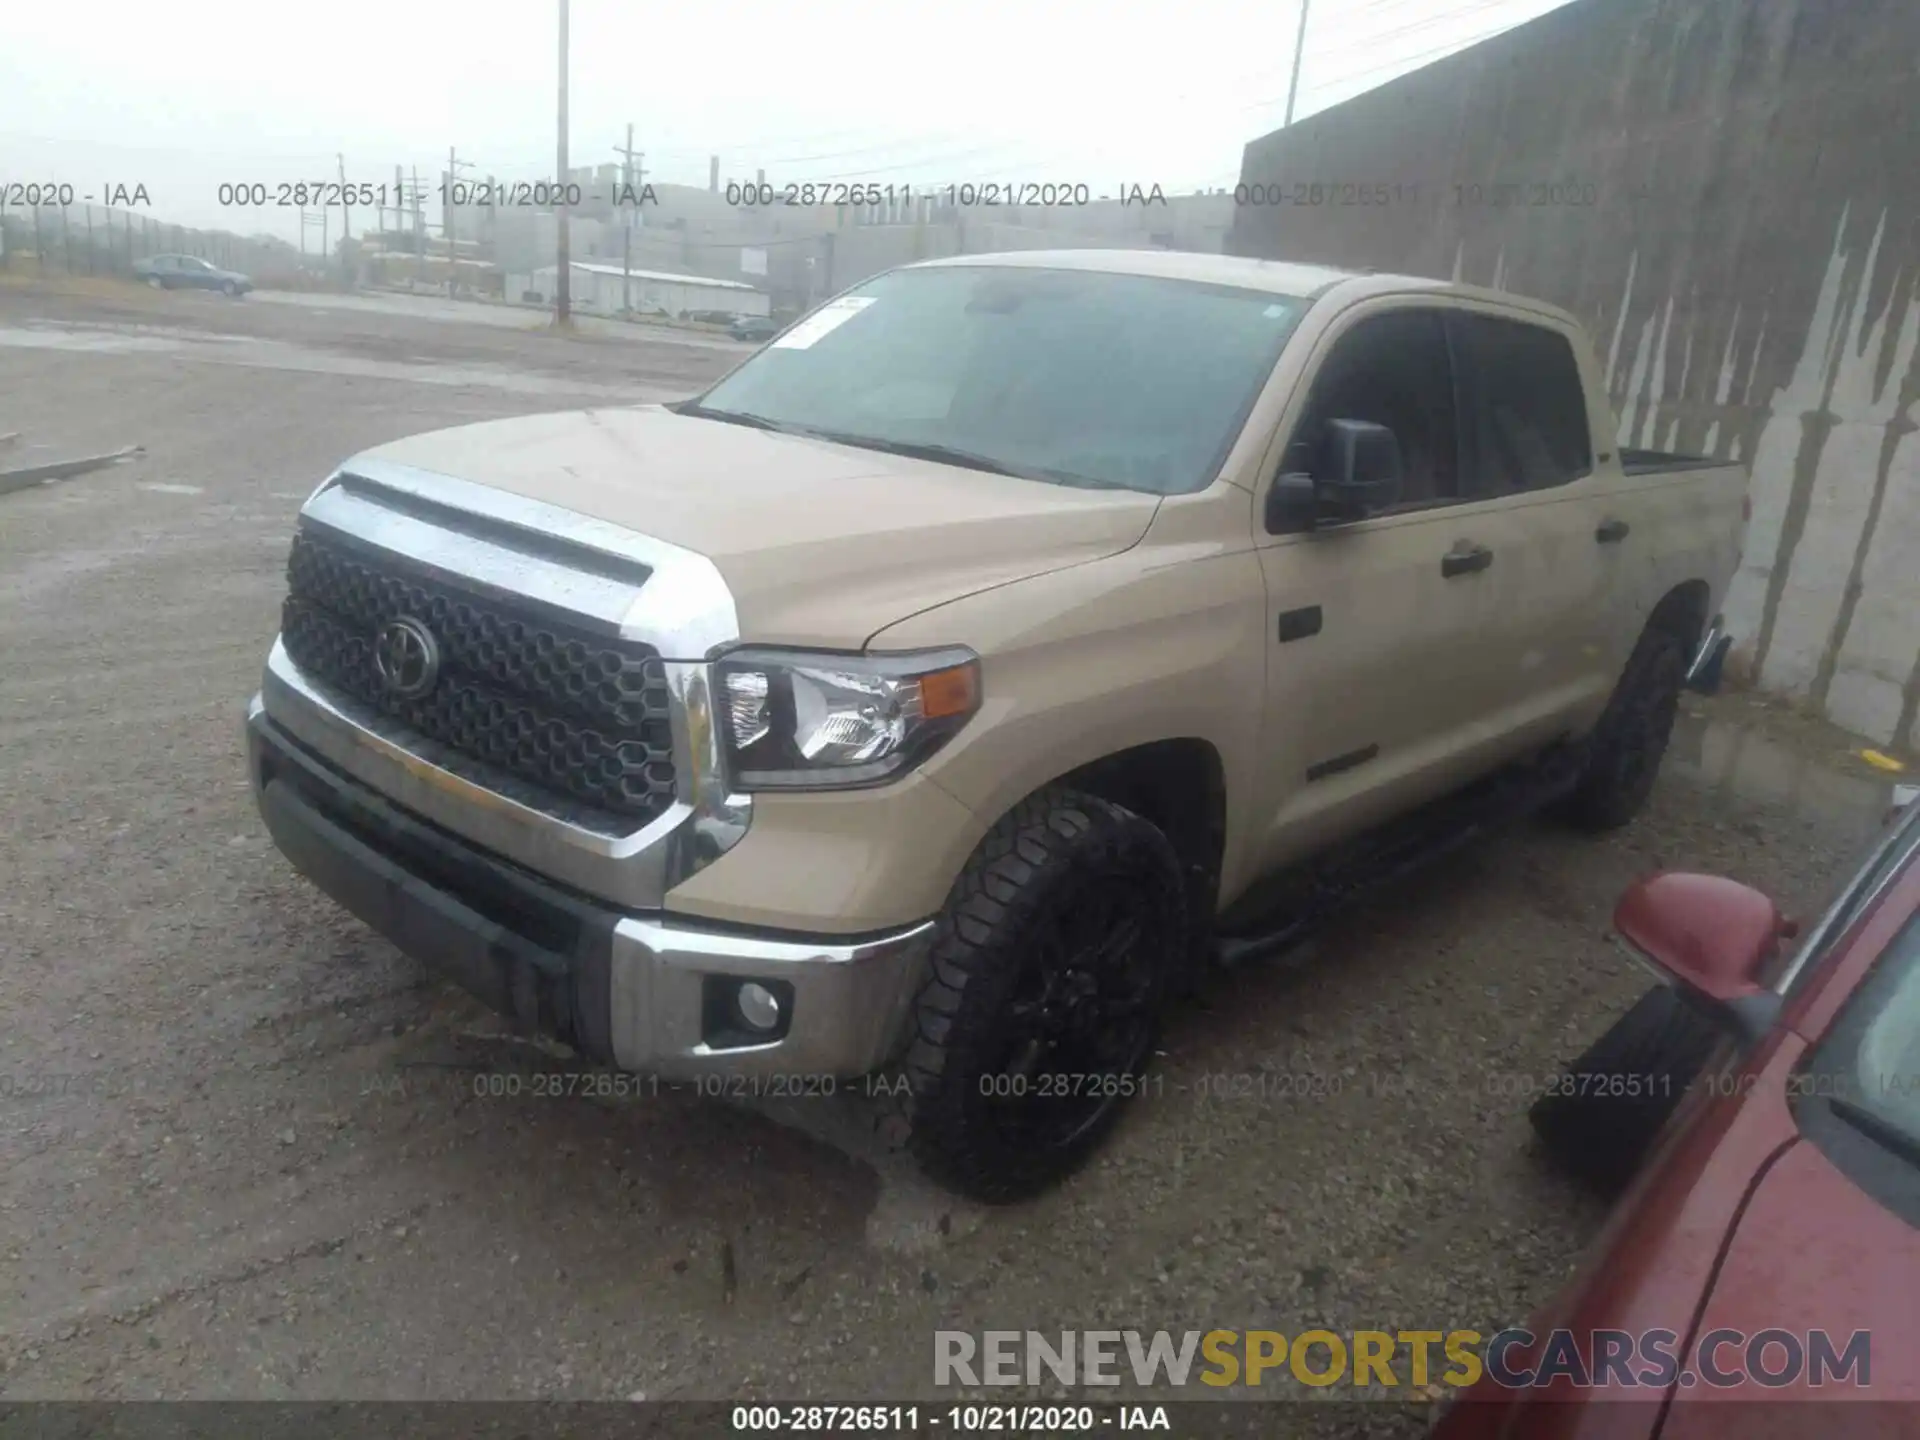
{"type": "Point", "coordinates": [1599, 1122]}
{"type": "Point", "coordinates": [1631, 738]}
{"type": "Point", "coordinates": [1050, 967]}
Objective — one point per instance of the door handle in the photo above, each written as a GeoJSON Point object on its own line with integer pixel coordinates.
{"type": "Point", "coordinates": [1464, 559]}
{"type": "Point", "coordinates": [1611, 532]}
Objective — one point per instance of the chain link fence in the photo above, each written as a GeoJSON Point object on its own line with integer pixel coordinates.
{"type": "Point", "coordinates": [96, 240]}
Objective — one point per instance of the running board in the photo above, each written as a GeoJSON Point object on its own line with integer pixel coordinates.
{"type": "Point", "coordinates": [1316, 891]}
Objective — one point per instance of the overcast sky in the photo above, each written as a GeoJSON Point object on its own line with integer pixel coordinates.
{"type": "Point", "coordinates": [183, 94]}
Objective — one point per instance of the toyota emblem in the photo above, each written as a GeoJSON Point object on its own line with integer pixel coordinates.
{"type": "Point", "coordinates": [407, 658]}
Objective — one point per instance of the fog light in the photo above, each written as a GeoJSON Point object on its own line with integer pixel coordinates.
{"type": "Point", "coordinates": [759, 1006]}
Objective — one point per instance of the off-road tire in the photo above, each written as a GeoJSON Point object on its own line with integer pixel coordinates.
{"type": "Point", "coordinates": [1631, 739]}
{"type": "Point", "coordinates": [1599, 1121]}
{"type": "Point", "coordinates": [1032, 860]}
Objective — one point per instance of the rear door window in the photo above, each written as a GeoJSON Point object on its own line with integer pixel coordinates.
{"type": "Point", "coordinates": [1525, 408]}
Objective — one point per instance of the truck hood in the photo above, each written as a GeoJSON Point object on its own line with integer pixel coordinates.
{"type": "Point", "coordinates": [821, 544]}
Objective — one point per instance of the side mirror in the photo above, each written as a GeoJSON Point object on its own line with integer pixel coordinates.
{"type": "Point", "coordinates": [1355, 469]}
{"type": "Point", "coordinates": [1713, 938]}
{"type": "Point", "coordinates": [1360, 467]}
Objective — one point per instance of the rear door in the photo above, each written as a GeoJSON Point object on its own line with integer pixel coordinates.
{"type": "Point", "coordinates": [1526, 438]}
{"type": "Point", "coordinates": [1383, 633]}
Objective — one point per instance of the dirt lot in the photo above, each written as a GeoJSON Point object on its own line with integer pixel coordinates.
{"type": "Point", "coordinates": [246, 1149]}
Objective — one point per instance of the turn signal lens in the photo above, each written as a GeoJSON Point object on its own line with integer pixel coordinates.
{"type": "Point", "coordinates": [950, 692]}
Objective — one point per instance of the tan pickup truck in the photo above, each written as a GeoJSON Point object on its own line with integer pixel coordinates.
{"type": "Point", "coordinates": [936, 693]}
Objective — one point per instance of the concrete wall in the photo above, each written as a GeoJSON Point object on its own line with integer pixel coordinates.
{"type": "Point", "coordinates": [1726, 191]}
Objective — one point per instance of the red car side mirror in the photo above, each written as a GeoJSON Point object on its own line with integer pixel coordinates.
{"type": "Point", "coordinates": [1714, 937]}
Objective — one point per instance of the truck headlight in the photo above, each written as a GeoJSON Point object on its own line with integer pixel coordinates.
{"type": "Point", "coordinates": [800, 721]}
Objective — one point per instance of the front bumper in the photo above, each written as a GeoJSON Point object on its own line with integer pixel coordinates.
{"type": "Point", "coordinates": [635, 990]}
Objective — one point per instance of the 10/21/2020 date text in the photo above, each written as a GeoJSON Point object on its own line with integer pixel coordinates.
{"type": "Point", "coordinates": [987, 1419]}
{"type": "Point", "coordinates": [960, 194]}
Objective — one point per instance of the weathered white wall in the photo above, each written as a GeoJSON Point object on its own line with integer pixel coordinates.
{"type": "Point", "coordinates": [1743, 239]}
{"type": "Point", "coordinates": [1842, 586]}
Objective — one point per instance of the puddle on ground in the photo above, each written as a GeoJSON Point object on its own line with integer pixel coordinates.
{"type": "Point", "coordinates": [94, 342]}
{"type": "Point", "coordinates": [1761, 768]}
{"type": "Point", "coordinates": [279, 355]}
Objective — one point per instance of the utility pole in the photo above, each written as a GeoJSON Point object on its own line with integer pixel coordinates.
{"type": "Point", "coordinates": [1299, 49]}
{"type": "Point", "coordinates": [628, 175]}
{"type": "Point", "coordinates": [446, 212]}
{"type": "Point", "coordinates": [399, 196]}
{"type": "Point", "coordinates": [419, 231]}
{"type": "Point", "coordinates": [346, 215]}
{"type": "Point", "coordinates": [563, 272]}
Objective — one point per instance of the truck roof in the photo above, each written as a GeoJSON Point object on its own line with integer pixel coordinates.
{"type": "Point", "coordinates": [1306, 282]}
{"type": "Point", "coordinates": [1280, 277]}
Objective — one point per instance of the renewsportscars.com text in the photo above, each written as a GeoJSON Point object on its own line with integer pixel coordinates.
{"type": "Point", "coordinates": [1516, 1359]}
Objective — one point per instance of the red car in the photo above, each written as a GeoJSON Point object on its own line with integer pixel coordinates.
{"type": "Point", "coordinates": [1763, 1110]}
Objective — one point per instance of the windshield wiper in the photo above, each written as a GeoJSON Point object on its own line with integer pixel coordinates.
{"type": "Point", "coordinates": [912, 449]}
{"type": "Point", "coordinates": [1874, 1127]}
{"type": "Point", "coordinates": [953, 455]}
{"type": "Point", "coordinates": [731, 417]}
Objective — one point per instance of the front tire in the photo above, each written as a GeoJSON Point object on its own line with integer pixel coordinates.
{"type": "Point", "coordinates": [1631, 738]}
{"type": "Point", "coordinates": [156, 282]}
{"type": "Point", "coordinates": [1050, 966]}
{"type": "Point", "coordinates": [1598, 1123]}
{"type": "Point", "coordinates": [230, 290]}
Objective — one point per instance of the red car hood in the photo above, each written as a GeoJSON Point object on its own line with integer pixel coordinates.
{"type": "Point", "coordinates": [1745, 1224]}
{"type": "Point", "coordinates": [1812, 1251]}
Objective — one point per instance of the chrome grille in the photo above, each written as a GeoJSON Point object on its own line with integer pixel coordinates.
{"type": "Point", "coordinates": [582, 715]}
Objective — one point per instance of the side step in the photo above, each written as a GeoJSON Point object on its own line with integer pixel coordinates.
{"type": "Point", "coordinates": [1303, 899]}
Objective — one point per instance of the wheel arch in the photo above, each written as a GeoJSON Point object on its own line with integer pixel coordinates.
{"type": "Point", "coordinates": [1682, 612]}
{"type": "Point", "coordinates": [1180, 785]}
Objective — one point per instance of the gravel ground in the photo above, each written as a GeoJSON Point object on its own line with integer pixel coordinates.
{"type": "Point", "coordinates": [254, 1163]}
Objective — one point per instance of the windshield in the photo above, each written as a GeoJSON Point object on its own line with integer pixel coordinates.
{"type": "Point", "coordinates": [1886, 1063]}
{"type": "Point", "coordinates": [1866, 1069]}
{"type": "Point", "coordinates": [1069, 375]}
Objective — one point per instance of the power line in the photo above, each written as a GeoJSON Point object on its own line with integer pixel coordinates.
{"type": "Point", "coordinates": [1374, 42]}
{"type": "Point", "coordinates": [1411, 62]}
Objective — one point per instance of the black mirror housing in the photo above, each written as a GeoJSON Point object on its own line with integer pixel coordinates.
{"type": "Point", "coordinates": [1293, 504]}
{"type": "Point", "coordinates": [1360, 467]}
{"type": "Point", "coordinates": [1357, 469]}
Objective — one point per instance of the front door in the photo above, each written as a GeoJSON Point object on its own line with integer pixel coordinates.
{"type": "Point", "coordinates": [1383, 633]}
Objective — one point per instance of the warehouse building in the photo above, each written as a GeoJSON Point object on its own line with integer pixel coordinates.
{"type": "Point", "coordinates": [601, 289]}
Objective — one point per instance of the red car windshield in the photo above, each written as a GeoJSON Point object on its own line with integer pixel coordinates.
{"type": "Point", "coordinates": [1886, 1057]}
{"type": "Point", "coordinates": [1861, 1102]}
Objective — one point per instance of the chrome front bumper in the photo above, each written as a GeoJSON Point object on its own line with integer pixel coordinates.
{"type": "Point", "coordinates": [643, 992]}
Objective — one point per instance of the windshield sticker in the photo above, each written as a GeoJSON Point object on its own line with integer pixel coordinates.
{"type": "Point", "coordinates": [823, 322]}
